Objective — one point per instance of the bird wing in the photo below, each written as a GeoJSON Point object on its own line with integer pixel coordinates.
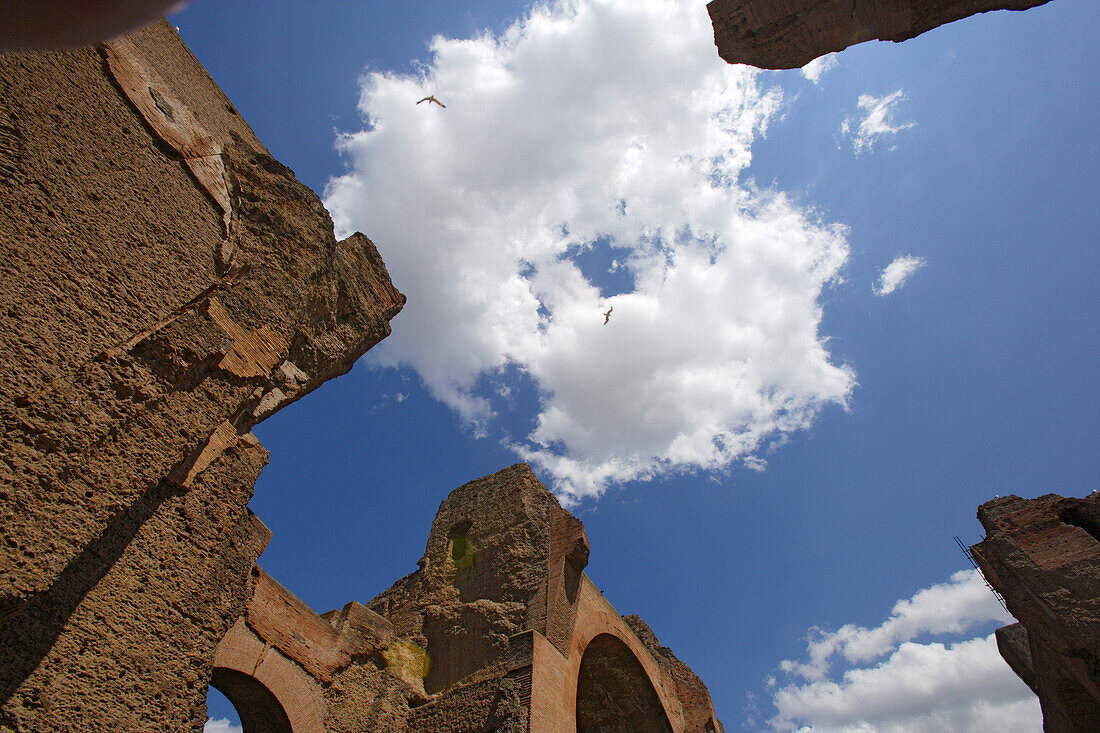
{"type": "Point", "coordinates": [425, 99]}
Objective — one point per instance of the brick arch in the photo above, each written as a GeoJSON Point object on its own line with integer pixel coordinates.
{"type": "Point", "coordinates": [595, 624]}
{"type": "Point", "coordinates": [270, 692]}
{"type": "Point", "coordinates": [257, 706]}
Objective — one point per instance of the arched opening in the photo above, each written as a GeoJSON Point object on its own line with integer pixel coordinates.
{"type": "Point", "coordinates": [221, 716]}
{"type": "Point", "coordinates": [462, 550]}
{"type": "Point", "coordinates": [614, 694]}
{"type": "Point", "coordinates": [1084, 515]}
{"type": "Point", "coordinates": [259, 711]}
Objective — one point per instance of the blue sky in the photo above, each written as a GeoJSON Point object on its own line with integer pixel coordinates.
{"type": "Point", "coordinates": [762, 442]}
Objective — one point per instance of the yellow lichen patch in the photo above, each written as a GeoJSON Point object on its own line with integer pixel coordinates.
{"type": "Point", "coordinates": [407, 661]}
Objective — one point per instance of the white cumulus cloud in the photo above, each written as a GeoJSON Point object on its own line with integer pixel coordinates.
{"type": "Point", "coordinates": [915, 687]}
{"type": "Point", "coordinates": [877, 121]}
{"type": "Point", "coordinates": [596, 126]}
{"type": "Point", "coordinates": [817, 68]}
{"type": "Point", "coordinates": [897, 272]}
{"type": "Point", "coordinates": [221, 725]}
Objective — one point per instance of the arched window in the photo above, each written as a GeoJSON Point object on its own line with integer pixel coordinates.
{"type": "Point", "coordinates": [463, 552]}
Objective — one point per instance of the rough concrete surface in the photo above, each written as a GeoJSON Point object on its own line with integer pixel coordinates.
{"type": "Point", "coordinates": [166, 285]}
{"type": "Point", "coordinates": [788, 34]}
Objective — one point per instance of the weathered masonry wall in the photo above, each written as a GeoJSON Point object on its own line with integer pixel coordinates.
{"type": "Point", "coordinates": [788, 34]}
{"type": "Point", "coordinates": [166, 285]}
{"type": "Point", "coordinates": [498, 629]}
{"type": "Point", "coordinates": [1043, 557]}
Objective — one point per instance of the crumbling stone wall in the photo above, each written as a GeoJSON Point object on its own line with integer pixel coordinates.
{"type": "Point", "coordinates": [1043, 556]}
{"type": "Point", "coordinates": [464, 643]}
{"type": "Point", "coordinates": [166, 286]}
{"type": "Point", "coordinates": [788, 34]}
{"type": "Point", "coordinates": [690, 690]}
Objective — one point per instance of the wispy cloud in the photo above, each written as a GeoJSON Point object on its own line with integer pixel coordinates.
{"type": "Point", "coordinates": [915, 687]}
{"type": "Point", "coordinates": [480, 210]}
{"type": "Point", "coordinates": [817, 68]}
{"type": "Point", "coordinates": [895, 274]}
{"type": "Point", "coordinates": [221, 725]}
{"type": "Point", "coordinates": [877, 121]}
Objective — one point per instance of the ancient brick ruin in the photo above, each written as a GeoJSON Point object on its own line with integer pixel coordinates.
{"type": "Point", "coordinates": [788, 34]}
{"type": "Point", "coordinates": [498, 629]}
{"type": "Point", "coordinates": [166, 286]}
{"type": "Point", "coordinates": [1043, 557]}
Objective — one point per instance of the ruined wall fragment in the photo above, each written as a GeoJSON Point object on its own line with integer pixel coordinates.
{"type": "Point", "coordinates": [166, 285]}
{"type": "Point", "coordinates": [473, 641]}
{"type": "Point", "coordinates": [788, 34]}
{"type": "Point", "coordinates": [1043, 557]}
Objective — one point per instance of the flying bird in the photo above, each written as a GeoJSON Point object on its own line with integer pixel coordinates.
{"type": "Point", "coordinates": [607, 316]}
{"type": "Point", "coordinates": [431, 98]}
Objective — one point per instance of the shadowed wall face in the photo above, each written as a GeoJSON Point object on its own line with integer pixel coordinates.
{"type": "Point", "coordinates": [614, 693]}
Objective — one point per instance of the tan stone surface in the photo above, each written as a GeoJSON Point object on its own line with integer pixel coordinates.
{"type": "Point", "coordinates": [788, 34]}
{"type": "Point", "coordinates": [162, 278]}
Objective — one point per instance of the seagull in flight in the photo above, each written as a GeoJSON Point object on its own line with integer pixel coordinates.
{"type": "Point", "coordinates": [431, 98]}
{"type": "Point", "coordinates": [607, 316]}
